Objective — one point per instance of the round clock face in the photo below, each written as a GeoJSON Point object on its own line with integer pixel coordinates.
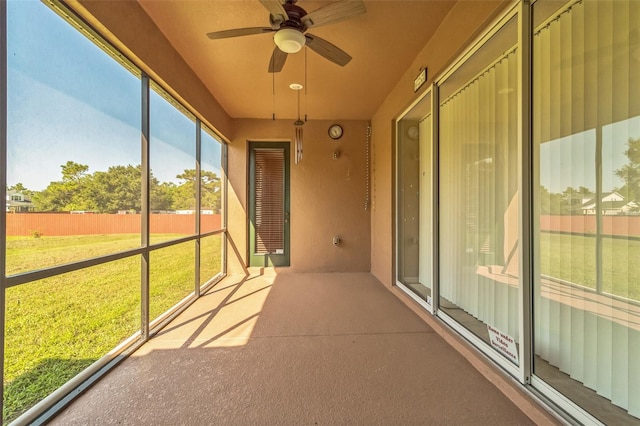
{"type": "Point", "coordinates": [335, 131]}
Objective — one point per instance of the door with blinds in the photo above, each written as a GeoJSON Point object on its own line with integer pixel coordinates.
{"type": "Point", "coordinates": [269, 215]}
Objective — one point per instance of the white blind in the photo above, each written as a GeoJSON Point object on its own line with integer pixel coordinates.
{"type": "Point", "coordinates": [478, 197]}
{"type": "Point", "coordinates": [586, 101]}
{"type": "Point", "coordinates": [269, 202]}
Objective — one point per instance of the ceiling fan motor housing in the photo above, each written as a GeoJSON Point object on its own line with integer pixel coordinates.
{"type": "Point", "coordinates": [290, 38]}
{"type": "Point", "coordinates": [295, 14]}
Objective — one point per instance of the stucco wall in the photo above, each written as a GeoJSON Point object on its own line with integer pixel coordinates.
{"type": "Point", "coordinates": [463, 23]}
{"type": "Point", "coordinates": [327, 195]}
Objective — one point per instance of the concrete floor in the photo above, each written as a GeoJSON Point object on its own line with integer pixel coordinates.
{"type": "Point", "coordinates": [298, 349]}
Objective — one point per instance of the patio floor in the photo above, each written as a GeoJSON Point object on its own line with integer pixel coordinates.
{"type": "Point", "coordinates": [300, 349]}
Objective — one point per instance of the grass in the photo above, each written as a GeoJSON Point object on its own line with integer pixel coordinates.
{"type": "Point", "coordinates": [573, 258]}
{"type": "Point", "coordinates": [58, 326]}
{"type": "Point", "coordinates": [28, 253]}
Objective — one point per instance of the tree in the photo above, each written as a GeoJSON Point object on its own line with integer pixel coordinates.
{"type": "Point", "coordinates": [74, 172]}
{"type": "Point", "coordinates": [550, 203]}
{"type": "Point", "coordinates": [585, 192]}
{"type": "Point", "coordinates": [630, 172]}
{"type": "Point", "coordinates": [185, 193]}
{"type": "Point", "coordinates": [211, 194]}
{"type": "Point", "coordinates": [19, 187]}
{"type": "Point", "coordinates": [68, 194]}
{"type": "Point", "coordinates": [161, 195]}
{"type": "Point", "coordinates": [119, 188]}
{"type": "Point", "coordinates": [571, 200]}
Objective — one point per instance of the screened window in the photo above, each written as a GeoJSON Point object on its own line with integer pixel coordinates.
{"type": "Point", "coordinates": [73, 160]}
{"type": "Point", "coordinates": [77, 278]}
{"type": "Point", "coordinates": [172, 186]}
{"type": "Point", "coordinates": [73, 143]}
{"type": "Point", "coordinates": [211, 182]}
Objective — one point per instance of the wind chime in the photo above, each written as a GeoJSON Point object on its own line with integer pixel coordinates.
{"type": "Point", "coordinates": [299, 122]}
{"type": "Point", "coordinates": [298, 125]}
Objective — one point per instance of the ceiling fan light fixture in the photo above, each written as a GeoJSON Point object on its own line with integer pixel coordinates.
{"type": "Point", "coordinates": [289, 40]}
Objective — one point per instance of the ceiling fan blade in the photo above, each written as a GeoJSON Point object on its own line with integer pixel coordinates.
{"type": "Point", "coordinates": [278, 58]}
{"type": "Point", "coordinates": [238, 32]}
{"type": "Point", "coordinates": [334, 12]}
{"type": "Point", "coordinates": [276, 9]}
{"type": "Point", "coordinates": [328, 50]}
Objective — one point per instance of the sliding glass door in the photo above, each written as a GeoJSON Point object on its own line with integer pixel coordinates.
{"type": "Point", "coordinates": [586, 80]}
{"type": "Point", "coordinates": [414, 201]}
{"type": "Point", "coordinates": [478, 194]}
{"type": "Point", "coordinates": [530, 166]}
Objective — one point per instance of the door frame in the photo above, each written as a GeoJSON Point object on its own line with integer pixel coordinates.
{"type": "Point", "coordinates": [272, 259]}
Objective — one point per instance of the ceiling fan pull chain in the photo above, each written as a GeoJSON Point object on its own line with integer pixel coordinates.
{"type": "Point", "coordinates": [366, 196]}
{"type": "Point", "coordinates": [305, 85]}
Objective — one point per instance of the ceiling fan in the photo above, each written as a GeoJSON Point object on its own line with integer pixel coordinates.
{"type": "Point", "coordinates": [290, 22]}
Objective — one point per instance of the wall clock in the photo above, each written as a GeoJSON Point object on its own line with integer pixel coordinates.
{"type": "Point", "coordinates": [335, 131]}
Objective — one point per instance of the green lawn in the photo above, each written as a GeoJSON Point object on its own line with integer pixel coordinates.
{"type": "Point", "coordinates": [573, 258]}
{"type": "Point", "coordinates": [28, 253]}
{"type": "Point", "coordinates": [58, 326]}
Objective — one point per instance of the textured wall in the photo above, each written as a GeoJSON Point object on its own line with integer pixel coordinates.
{"type": "Point", "coordinates": [327, 195]}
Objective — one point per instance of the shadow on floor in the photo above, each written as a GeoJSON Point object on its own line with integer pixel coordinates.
{"type": "Point", "coordinates": [295, 349]}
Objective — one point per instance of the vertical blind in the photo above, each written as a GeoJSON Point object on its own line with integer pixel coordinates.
{"type": "Point", "coordinates": [478, 197]}
{"type": "Point", "coordinates": [269, 202]}
{"type": "Point", "coordinates": [586, 79]}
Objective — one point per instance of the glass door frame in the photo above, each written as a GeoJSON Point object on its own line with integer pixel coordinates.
{"type": "Point", "coordinates": [522, 372]}
{"type": "Point", "coordinates": [431, 303]}
{"type": "Point", "coordinates": [520, 12]}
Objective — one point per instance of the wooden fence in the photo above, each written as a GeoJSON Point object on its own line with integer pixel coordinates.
{"type": "Point", "coordinates": [55, 224]}
{"type": "Point", "coordinates": [625, 226]}
{"type": "Point", "coordinates": [52, 224]}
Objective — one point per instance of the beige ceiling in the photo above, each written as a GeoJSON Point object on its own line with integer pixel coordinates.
{"type": "Point", "coordinates": [383, 43]}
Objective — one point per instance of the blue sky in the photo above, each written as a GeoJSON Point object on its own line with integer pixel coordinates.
{"type": "Point", "coordinates": [570, 161]}
{"type": "Point", "coordinates": [68, 100]}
